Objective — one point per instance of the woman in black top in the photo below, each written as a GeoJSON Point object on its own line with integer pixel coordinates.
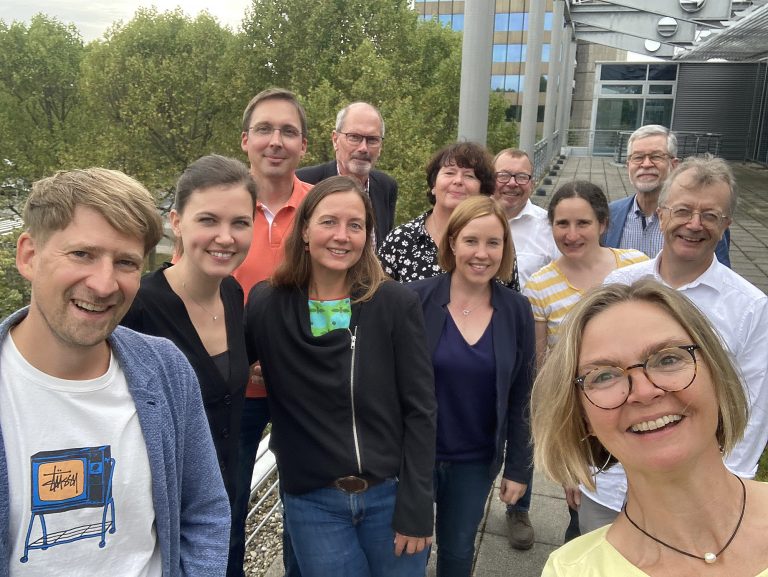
{"type": "Point", "coordinates": [197, 304]}
{"type": "Point", "coordinates": [350, 394]}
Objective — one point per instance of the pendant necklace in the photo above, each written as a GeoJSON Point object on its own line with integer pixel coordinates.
{"type": "Point", "coordinates": [213, 316]}
{"type": "Point", "coordinates": [708, 557]}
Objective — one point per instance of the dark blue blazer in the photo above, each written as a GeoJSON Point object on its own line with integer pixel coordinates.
{"type": "Point", "coordinates": [619, 212]}
{"type": "Point", "coordinates": [382, 189]}
{"type": "Point", "coordinates": [515, 351]}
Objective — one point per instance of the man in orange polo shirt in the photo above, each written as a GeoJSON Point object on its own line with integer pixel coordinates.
{"type": "Point", "coordinates": [275, 139]}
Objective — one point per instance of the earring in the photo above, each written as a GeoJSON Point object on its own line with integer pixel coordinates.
{"type": "Point", "coordinates": [306, 246]}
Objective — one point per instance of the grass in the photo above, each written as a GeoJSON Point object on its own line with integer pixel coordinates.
{"type": "Point", "coordinates": [762, 467]}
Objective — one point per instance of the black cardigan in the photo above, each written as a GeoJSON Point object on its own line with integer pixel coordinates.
{"type": "Point", "coordinates": [514, 346]}
{"type": "Point", "coordinates": [159, 311]}
{"type": "Point", "coordinates": [311, 392]}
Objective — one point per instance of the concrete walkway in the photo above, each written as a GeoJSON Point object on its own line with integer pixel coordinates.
{"type": "Point", "coordinates": [549, 513]}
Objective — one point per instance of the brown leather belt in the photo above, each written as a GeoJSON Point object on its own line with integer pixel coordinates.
{"type": "Point", "coordinates": [352, 484]}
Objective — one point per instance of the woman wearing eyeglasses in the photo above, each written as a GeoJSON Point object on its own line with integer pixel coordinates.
{"type": "Point", "coordinates": [454, 173]}
{"type": "Point", "coordinates": [640, 376]}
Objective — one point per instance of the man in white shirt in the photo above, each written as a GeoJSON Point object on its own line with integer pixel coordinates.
{"type": "Point", "coordinates": [695, 208]}
{"type": "Point", "coordinates": [534, 247]}
{"type": "Point", "coordinates": [531, 231]}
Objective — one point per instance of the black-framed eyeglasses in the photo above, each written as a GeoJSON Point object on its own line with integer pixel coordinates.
{"type": "Point", "coordinates": [266, 129]}
{"type": "Point", "coordinates": [654, 157]}
{"type": "Point", "coordinates": [709, 218]}
{"type": "Point", "coordinates": [520, 177]}
{"type": "Point", "coordinates": [670, 369]}
{"type": "Point", "coordinates": [356, 139]}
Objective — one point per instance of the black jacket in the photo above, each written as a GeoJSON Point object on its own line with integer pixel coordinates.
{"type": "Point", "coordinates": [514, 346]}
{"type": "Point", "coordinates": [159, 311]}
{"type": "Point", "coordinates": [382, 190]}
{"type": "Point", "coordinates": [374, 379]}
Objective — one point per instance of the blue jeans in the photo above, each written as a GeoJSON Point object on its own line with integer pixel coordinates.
{"type": "Point", "coordinates": [254, 420]}
{"type": "Point", "coordinates": [337, 534]}
{"type": "Point", "coordinates": [524, 502]}
{"type": "Point", "coordinates": [461, 490]}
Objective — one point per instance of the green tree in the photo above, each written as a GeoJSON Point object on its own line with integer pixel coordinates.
{"type": "Point", "coordinates": [15, 290]}
{"type": "Point", "coordinates": [39, 97]}
{"type": "Point", "coordinates": [160, 95]}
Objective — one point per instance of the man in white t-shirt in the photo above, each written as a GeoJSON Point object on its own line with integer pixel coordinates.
{"type": "Point", "coordinates": [531, 231]}
{"type": "Point", "coordinates": [696, 206]}
{"type": "Point", "coordinates": [106, 461]}
{"type": "Point", "coordinates": [534, 248]}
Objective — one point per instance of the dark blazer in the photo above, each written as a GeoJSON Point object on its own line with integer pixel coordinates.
{"type": "Point", "coordinates": [382, 189]}
{"type": "Point", "coordinates": [514, 346]}
{"type": "Point", "coordinates": [159, 311]}
{"type": "Point", "coordinates": [618, 216]}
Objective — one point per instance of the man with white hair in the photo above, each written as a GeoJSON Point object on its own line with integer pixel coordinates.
{"type": "Point", "coordinates": [633, 223]}
{"type": "Point", "coordinates": [358, 140]}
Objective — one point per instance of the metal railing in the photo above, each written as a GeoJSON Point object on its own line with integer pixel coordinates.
{"type": "Point", "coordinates": [544, 152]}
{"type": "Point", "coordinates": [263, 471]}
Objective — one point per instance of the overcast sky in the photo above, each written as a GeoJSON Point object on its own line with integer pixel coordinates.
{"type": "Point", "coordinates": [93, 18]}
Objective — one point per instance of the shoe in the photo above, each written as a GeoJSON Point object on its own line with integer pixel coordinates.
{"type": "Point", "coordinates": [519, 530]}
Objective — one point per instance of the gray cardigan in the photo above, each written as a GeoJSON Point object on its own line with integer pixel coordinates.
{"type": "Point", "coordinates": [191, 508]}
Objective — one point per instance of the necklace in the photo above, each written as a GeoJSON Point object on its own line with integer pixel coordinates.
{"type": "Point", "coordinates": [468, 310]}
{"type": "Point", "coordinates": [213, 316]}
{"type": "Point", "coordinates": [708, 557]}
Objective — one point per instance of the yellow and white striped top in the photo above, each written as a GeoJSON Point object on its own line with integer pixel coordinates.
{"type": "Point", "coordinates": [552, 296]}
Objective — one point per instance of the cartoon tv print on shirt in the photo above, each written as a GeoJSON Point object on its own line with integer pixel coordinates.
{"type": "Point", "coordinates": [66, 480]}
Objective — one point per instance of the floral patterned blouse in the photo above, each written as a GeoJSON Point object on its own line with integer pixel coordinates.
{"type": "Point", "coordinates": [409, 253]}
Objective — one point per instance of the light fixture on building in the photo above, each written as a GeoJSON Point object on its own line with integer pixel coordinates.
{"type": "Point", "coordinates": [666, 27]}
{"type": "Point", "coordinates": [692, 5]}
{"type": "Point", "coordinates": [652, 45]}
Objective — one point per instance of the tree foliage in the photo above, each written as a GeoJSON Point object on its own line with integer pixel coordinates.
{"type": "Point", "coordinates": [14, 288]}
{"type": "Point", "coordinates": [163, 89]}
{"type": "Point", "coordinates": [159, 88]}
{"type": "Point", "coordinates": [39, 96]}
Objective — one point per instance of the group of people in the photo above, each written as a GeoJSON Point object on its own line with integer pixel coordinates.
{"type": "Point", "coordinates": [394, 364]}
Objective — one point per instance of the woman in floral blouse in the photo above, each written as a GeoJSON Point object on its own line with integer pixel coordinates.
{"type": "Point", "coordinates": [455, 172]}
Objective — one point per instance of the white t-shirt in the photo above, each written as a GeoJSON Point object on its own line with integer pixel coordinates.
{"type": "Point", "coordinates": [76, 459]}
{"type": "Point", "coordinates": [534, 244]}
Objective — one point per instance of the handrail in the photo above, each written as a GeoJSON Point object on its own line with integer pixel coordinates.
{"type": "Point", "coordinates": [263, 471]}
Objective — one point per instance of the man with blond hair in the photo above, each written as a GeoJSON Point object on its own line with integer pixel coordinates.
{"type": "Point", "coordinates": [107, 464]}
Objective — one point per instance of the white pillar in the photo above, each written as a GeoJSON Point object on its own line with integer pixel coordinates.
{"type": "Point", "coordinates": [532, 73]}
{"type": "Point", "coordinates": [553, 77]}
{"type": "Point", "coordinates": [476, 58]}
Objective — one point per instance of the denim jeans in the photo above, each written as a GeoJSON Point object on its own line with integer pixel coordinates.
{"type": "Point", "coordinates": [337, 534]}
{"type": "Point", "coordinates": [461, 490]}
{"type": "Point", "coordinates": [524, 502]}
{"type": "Point", "coordinates": [254, 420]}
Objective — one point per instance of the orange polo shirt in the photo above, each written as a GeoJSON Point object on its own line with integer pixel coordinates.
{"type": "Point", "coordinates": [266, 250]}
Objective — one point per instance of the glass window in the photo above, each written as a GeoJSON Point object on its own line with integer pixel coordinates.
{"type": "Point", "coordinates": [660, 89]}
{"type": "Point", "coordinates": [615, 114]}
{"type": "Point", "coordinates": [458, 22]}
{"type": "Point", "coordinates": [545, 48]}
{"type": "Point", "coordinates": [623, 71]}
{"type": "Point", "coordinates": [507, 22]}
{"type": "Point", "coordinates": [621, 89]}
{"type": "Point", "coordinates": [662, 71]}
{"type": "Point", "coordinates": [506, 83]}
{"type": "Point", "coordinates": [658, 111]}
{"type": "Point", "coordinates": [548, 21]}
{"type": "Point", "coordinates": [445, 20]}
{"type": "Point", "coordinates": [508, 53]}
{"type": "Point", "coordinates": [497, 82]}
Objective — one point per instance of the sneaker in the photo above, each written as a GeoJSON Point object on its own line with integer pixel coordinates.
{"type": "Point", "coordinates": [519, 530]}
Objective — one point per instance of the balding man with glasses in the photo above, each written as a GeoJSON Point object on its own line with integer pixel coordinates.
{"type": "Point", "coordinates": [528, 223]}
{"type": "Point", "coordinates": [358, 140]}
{"type": "Point", "coordinates": [696, 206]}
{"type": "Point", "coordinates": [633, 223]}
